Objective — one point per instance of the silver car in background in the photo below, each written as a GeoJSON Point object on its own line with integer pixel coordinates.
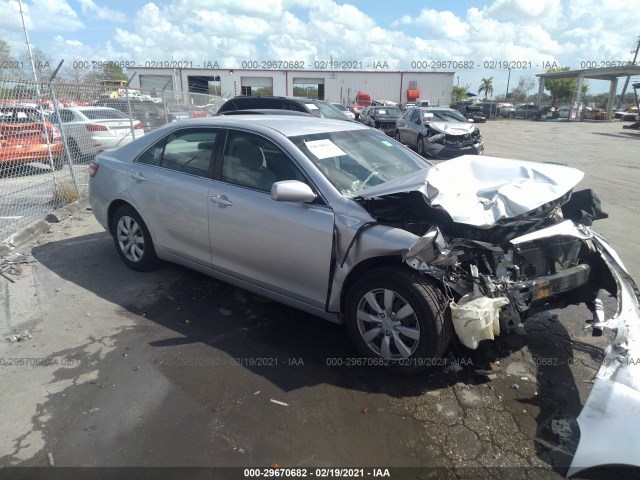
{"type": "Point", "coordinates": [339, 220]}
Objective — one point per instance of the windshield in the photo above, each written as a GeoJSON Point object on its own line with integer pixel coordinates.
{"type": "Point", "coordinates": [357, 159]}
{"type": "Point", "coordinates": [392, 112]}
{"type": "Point", "coordinates": [326, 110]}
{"type": "Point", "coordinates": [445, 115]}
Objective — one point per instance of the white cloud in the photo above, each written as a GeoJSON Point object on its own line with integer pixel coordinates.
{"type": "Point", "coordinates": [90, 8]}
{"type": "Point", "coordinates": [230, 32]}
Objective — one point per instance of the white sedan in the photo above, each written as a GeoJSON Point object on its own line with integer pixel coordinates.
{"type": "Point", "coordinates": [90, 130]}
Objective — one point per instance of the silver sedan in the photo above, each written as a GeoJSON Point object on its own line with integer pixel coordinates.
{"type": "Point", "coordinates": [339, 220]}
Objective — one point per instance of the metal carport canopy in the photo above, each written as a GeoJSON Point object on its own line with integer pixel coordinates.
{"type": "Point", "coordinates": [608, 73]}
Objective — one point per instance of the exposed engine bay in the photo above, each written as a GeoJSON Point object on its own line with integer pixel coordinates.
{"type": "Point", "coordinates": [542, 260]}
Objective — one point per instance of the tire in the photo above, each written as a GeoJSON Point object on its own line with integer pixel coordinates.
{"type": "Point", "coordinates": [422, 334]}
{"type": "Point", "coordinates": [420, 146]}
{"type": "Point", "coordinates": [74, 150]}
{"type": "Point", "coordinates": [59, 162]}
{"type": "Point", "coordinates": [133, 240]}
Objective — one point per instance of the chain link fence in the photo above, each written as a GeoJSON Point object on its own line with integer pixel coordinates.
{"type": "Point", "coordinates": [49, 132]}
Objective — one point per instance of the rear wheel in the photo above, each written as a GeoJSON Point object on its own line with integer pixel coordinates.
{"type": "Point", "coordinates": [399, 318]}
{"type": "Point", "coordinates": [133, 240]}
{"type": "Point", "coordinates": [420, 146]}
{"type": "Point", "coordinates": [74, 150]}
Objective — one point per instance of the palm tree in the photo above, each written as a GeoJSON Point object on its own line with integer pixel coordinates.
{"type": "Point", "coordinates": [486, 86]}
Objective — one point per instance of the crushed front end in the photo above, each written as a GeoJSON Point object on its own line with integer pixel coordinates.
{"type": "Point", "coordinates": [516, 242]}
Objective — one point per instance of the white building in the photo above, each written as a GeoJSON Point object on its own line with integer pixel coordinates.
{"type": "Point", "coordinates": [331, 85]}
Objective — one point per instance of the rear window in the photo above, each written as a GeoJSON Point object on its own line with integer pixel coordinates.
{"type": "Point", "coordinates": [103, 114]}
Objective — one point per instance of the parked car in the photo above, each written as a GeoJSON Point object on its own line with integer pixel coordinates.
{"type": "Point", "coordinates": [336, 219]}
{"type": "Point", "coordinates": [90, 130]}
{"type": "Point", "coordinates": [348, 113]}
{"type": "Point", "coordinates": [407, 106]}
{"type": "Point", "coordinates": [26, 136]}
{"type": "Point", "coordinates": [357, 110]}
{"type": "Point", "coordinates": [439, 132]}
{"type": "Point", "coordinates": [382, 118]}
{"type": "Point", "coordinates": [474, 112]}
{"type": "Point", "coordinates": [564, 111]}
{"type": "Point", "coordinates": [524, 111]}
{"type": "Point", "coordinates": [507, 111]}
{"type": "Point", "coordinates": [547, 112]}
{"type": "Point", "coordinates": [489, 109]}
{"type": "Point", "coordinates": [318, 108]}
{"type": "Point", "coordinates": [149, 113]}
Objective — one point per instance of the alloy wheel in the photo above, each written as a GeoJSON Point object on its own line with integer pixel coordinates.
{"type": "Point", "coordinates": [388, 324]}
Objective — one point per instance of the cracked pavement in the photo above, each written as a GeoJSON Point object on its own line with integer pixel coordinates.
{"type": "Point", "coordinates": [173, 368]}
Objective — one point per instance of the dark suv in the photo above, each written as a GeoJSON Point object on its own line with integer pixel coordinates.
{"type": "Point", "coordinates": [524, 111]}
{"type": "Point", "coordinates": [147, 112]}
{"type": "Point", "coordinates": [318, 108]}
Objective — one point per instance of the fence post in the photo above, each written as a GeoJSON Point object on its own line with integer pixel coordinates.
{"type": "Point", "coordinates": [67, 152]}
{"type": "Point", "coordinates": [126, 92]}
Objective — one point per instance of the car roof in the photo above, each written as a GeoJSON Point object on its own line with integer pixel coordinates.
{"type": "Point", "coordinates": [89, 107]}
{"type": "Point", "coordinates": [287, 125]}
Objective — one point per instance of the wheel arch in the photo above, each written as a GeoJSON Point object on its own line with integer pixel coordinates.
{"type": "Point", "coordinates": [113, 208]}
{"type": "Point", "coordinates": [371, 264]}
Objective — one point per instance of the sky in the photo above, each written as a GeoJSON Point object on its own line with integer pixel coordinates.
{"type": "Point", "coordinates": [477, 36]}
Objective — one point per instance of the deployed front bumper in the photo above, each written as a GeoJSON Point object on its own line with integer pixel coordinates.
{"type": "Point", "coordinates": [610, 420]}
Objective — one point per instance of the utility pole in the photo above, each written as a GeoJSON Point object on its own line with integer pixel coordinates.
{"type": "Point", "coordinates": [26, 36]}
{"type": "Point", "coordinates": [626, 82]}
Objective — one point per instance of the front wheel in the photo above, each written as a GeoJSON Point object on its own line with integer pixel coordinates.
{"type": "Point", "coordinates": [133, 240]}
{"type": "Point", "coordinates": [399, 318]}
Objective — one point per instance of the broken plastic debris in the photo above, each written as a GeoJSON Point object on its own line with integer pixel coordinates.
{"type": "Point", "coordinates": [515, 386]}
{"type": "Point", "coordinates": [257, 392]}
{"type": "Point", "coordinates": [20, 337]}
{"type": "Point", "coordinates": [50, 457]}
{"type": "Point", "coordinates": [278, 402]}
{"type": "Point", "coordinates": [364, 410]}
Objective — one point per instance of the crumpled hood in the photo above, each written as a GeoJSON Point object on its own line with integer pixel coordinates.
{"type": "Point", "coordinates": [480, 190]}
{"type": "Point", "coordinates": [452, 128]}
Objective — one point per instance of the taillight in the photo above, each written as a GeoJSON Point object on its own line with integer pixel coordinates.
{"type": "Point", "coordinates": [138, 126]}
{"type": "Point", "coordinates": [93, 169]}
{"type": "Point", "coordinates": [56, 133]}
{"type": "Point", "coordinates": [92, 127]}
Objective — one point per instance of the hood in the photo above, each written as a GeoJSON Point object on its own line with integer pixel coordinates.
{"type": "Point", "coordinates": [481, 191]}
{"type": "Point", "coordinates": [452, 128]}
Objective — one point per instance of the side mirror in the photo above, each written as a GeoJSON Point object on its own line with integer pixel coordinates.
{"type": "Point", "coordinates": [292, 191]}
{"type": "Point", "coordinates": [417, 121]}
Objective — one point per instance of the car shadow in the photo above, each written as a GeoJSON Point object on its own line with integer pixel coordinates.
{"type": "Point", "coordinates": [217, 322]}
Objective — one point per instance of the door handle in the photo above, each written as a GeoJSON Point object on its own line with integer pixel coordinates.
{"type": "Point", "coordinates": [221, 199]}
{"type": "Point", "coordinates": [138, 176]}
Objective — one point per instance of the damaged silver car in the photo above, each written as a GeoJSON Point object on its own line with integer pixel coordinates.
{"type": "Point", "coordinates": [439, 132]}
{"type": "Point", "coordinates": [341, 221]}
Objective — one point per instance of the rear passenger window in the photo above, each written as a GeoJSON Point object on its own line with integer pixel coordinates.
{"type": "Point", "coordinates": [188, 151]}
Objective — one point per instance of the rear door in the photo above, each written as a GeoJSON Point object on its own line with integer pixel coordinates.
{"type": "Point", "coordinates": [169, 184]}
{"type": "Point", "coordinates": [283, 246]}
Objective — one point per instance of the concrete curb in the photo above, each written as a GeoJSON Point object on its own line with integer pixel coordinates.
{"type": "Point", "coordinates": [66, 211]}
{"type": "Point", "coordinates": [33, 230]}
